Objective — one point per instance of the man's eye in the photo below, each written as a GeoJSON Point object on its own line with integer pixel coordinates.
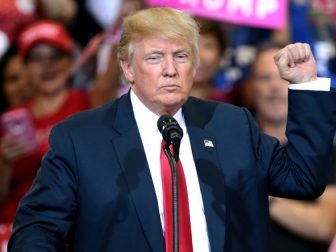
{"type": "Point", "coordinates": [182, 57]}
{"type": "Point", "coordinates": [153, 59]}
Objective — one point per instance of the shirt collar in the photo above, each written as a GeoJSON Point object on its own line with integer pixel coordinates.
{"type": "Point", "coordinates": [146, 119]}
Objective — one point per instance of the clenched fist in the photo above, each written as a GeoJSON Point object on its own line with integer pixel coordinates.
{"type": "Point", "coordinates": [296, 63]}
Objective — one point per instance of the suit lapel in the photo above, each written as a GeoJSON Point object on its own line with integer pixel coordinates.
{"type": "Point", "coordinates": [134, 165]}
{"type": "Point", "coordinates": [210, 175]}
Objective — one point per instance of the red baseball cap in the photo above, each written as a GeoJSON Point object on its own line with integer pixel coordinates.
{"type": "Point", "coordinates": [45, 31]}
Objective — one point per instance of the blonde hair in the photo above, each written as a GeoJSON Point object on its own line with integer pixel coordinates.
{"type": "Point", "coordinates": [165, 23]}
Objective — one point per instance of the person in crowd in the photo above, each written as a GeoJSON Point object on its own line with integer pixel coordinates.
{"type": "Point", "coordinates": [296, 225]}
{"type": "Point", "coordinates": [108, 69]}
{"type": "Point", "coordinates": [103, 170]}
{"type": "Point", "coordinates": [98, 16]}
{"type": "Point", "coordinates": [212, 45]}
{"type": "Point", "coordinates": [98, 63]}
{"type": "Point", "coordinates": [15, 15]}
{"type": "Point", "coordinates": [47, 51]}
{"type": "Point", "coordinates": [14, 81]}
{"type": "Point", "coordinates": [15, 90]}
{"type": "Point", "coordinates": [270, 92]}
{"type": "Point", "coordinates": [63, 11]}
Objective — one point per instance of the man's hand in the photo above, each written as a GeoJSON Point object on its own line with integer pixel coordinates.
{"type": "Point", "coordinates": [296, 63]}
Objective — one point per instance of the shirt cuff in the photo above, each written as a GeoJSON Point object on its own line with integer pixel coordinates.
{"type": "Point", "coordinates": [320, 84]}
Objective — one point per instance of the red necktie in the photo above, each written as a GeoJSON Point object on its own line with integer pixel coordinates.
{"type": "Point", "coordinates": [185, 241]}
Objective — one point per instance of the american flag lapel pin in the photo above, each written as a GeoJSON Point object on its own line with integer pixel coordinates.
{"type": "Point", "coordinates": [208, 143]}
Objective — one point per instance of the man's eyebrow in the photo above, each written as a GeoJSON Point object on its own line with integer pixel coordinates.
{"type": "Point", "coordinates": [179, 50]}
{"type": "Point", "coordinates": [154, 51]}
{"type": "Point", "coordinates": [158, 51]}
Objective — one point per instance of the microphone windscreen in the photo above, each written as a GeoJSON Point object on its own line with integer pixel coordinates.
{"type": "Point", "coordinates": [163, 121]}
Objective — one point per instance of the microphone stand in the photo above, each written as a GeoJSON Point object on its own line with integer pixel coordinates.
{"type": "Point", "coordinates": [173, 166]}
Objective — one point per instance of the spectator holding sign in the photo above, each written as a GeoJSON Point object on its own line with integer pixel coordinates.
{"type": "Point", "coordinates": [47, 51]}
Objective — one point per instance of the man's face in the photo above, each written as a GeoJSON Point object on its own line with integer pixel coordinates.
{"type": "Point", "coordinates": [49, 68]}
{"type": "Point", "coordinates": [16, 85]}
{"type": "Point", "coordinates": [270, 91]}
{"type": "Point", "coordinates": [161, 73]}
{"type": "Point", "coordinates": [210, 57]}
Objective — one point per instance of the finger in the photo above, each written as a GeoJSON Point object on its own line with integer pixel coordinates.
{"type": "Point", "coordinates": [15, 152]}
{"type": "Point", "coordinates": [301, 52]}
{"type": "Point", "coordinates": [282, 60]}
{"type": "Point", "coordinates": [308, 52]}
{"type": "Point", "coordinates": [10, 141]}
{"type": "Point", "coordinates": [7, 138]}
{"type": "Point", "coordinates": [287, 53]}
{"type": "Point", "coordinates": [298, 52]}
{"type": "Point", "coordinates": [14, 147]}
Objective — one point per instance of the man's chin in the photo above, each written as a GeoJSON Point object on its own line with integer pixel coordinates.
{"type": "Point", "coordinates": [173, 104]}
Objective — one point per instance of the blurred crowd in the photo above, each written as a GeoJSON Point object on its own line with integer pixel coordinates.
{"type": "Point", "coordinates": [58, 58]}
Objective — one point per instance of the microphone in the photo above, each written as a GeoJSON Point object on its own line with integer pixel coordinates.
{"type": "Point", "coordinates": [171, 131]}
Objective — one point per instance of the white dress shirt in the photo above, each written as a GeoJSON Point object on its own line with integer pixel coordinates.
{"type": "Point", "coordinates": [151, 140]}
{"type": "Point", "coordinates": [321, 84]}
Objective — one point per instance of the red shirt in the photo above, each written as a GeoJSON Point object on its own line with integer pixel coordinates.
{"type": "Point", "coordinates": [24, 170]}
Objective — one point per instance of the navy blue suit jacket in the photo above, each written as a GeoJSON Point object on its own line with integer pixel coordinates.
{"type": "Point", "coordinates": [94, 190]}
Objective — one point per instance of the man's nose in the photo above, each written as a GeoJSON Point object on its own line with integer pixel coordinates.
{"type": "Point", "coordinates": [169, 67]}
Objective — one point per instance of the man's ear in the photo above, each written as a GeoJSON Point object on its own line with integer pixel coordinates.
{"type": "Point", "coordinates": [127, 70]}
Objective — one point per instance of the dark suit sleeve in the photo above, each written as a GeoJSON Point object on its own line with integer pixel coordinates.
{"type": "Point", "coordinates": [300, 168]}
{"type": "Point", "coordinates": [46, 214]}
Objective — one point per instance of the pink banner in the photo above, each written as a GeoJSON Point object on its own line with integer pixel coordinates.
{"type": "Point", "coordinates": [260, 13]}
